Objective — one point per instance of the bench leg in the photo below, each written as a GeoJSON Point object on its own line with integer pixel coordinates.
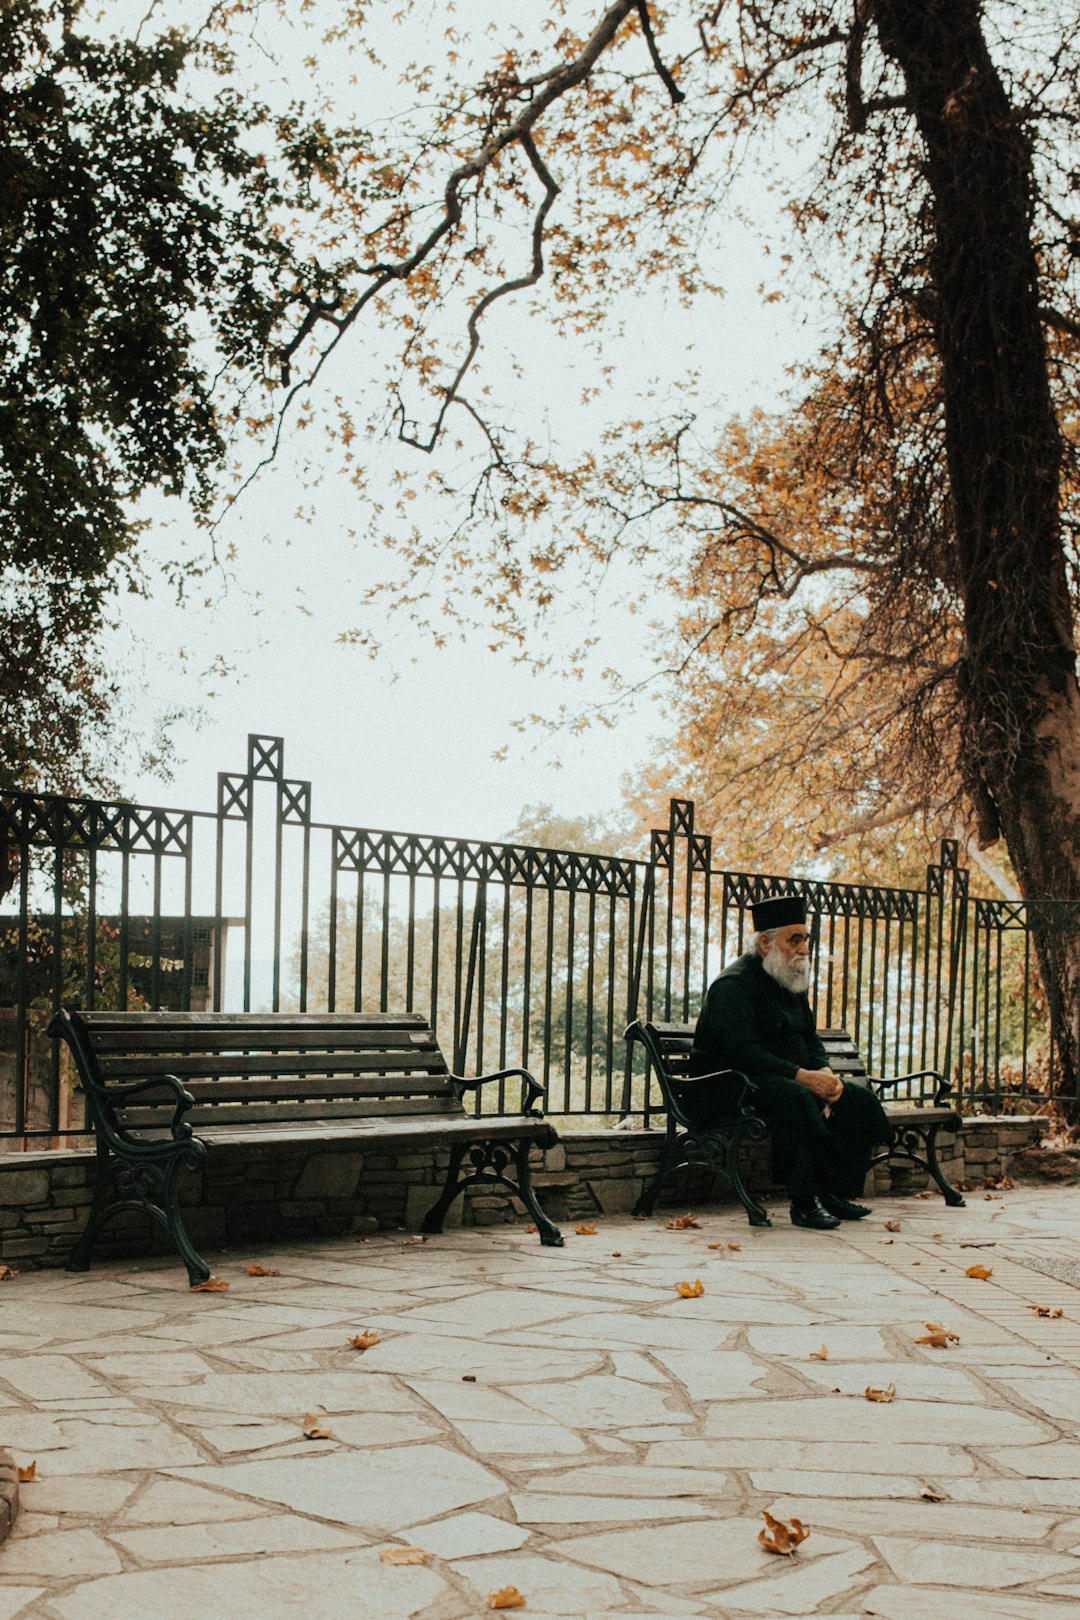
{"type": "Point", "coordinates": [433, 1220]}
{"type": "Point", "coordinates": [490, 1160]}
{"type": "Point", "coordinates": [549, 1232]}
{"type": "Point", "coordinates": [717, 1152]}
{"type": "Point", "coordinates": [755, 1129]}
{"type": "Point", "coordinates": [139, 1185]}
{"type": "Point", "coordinates": [952, 1197]}
{"type": "Point", "coordinates": [82, 1250]}
{"type": "Point", "coordinates": [909, 1139]}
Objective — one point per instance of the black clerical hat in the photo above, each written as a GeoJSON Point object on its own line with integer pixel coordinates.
{"type": "Point", "coordinates": [779, 911]}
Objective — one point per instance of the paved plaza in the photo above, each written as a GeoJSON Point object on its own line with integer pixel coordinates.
{"type": "Point", "coordinates": [561, 1422]}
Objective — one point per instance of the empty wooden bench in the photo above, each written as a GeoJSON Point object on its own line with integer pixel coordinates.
{"type": "Point", "coordinates": [716, 1146]}
{"type": "Point", "coordinates": [164, 1088]}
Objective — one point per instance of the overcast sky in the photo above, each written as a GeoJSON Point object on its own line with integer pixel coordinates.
{"type": "Point", "coordinates": [409, 741]}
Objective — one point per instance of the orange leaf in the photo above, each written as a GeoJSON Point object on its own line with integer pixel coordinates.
{"type": "Point", "coordinates": [586, 1229]}
{"type": "Point", "coordinates": [892, 1226]}
{"type": "Point", "coordinates": [981, 1273]}
{"type": "Point", "coordinates": [938, 1337]}
{"type": "Point", "coordinates": [924, 1195]}
{"type": "Point", "coordinates": [616, 1254]}
{"type": "Point", "coordinates": [404, 1555]}
{"type": "Point", "coordinates": [414, 1241]}
{"type": "Point", "coordinates": [313, 1429]}
{"type": "Point", "coordinates": [531, 1229]}
{"type": "Point", "coordinates": [1047, 1310]}
{"type": "Point", "coordinates": [820, 1355]}
{"type": "Point", "coordinates": [8, 1273]}
{"type": "Point", "coordinates": [212, 1285]}
{"type": "Point", "coordinates": [507, 1597]}
{"type": "Point", "coordinates": [885, 1240]}
{"type": "Point", "coordinates": [365, 1340]}
{"type": "Point", "coordinates": [690, 1290]}
{"type": "Point", "coordinates": [884, 1395]}
{"type": "Point", "coordinates": [682, 1222]}
{"type": "Point", "coordinates": [256, 1270]}
{"type": "Point", "coordinates": [716, 1245]}
{"type": "Point", "coordinates": [930, 1494]}
{"type": "Point", "coordinates": [28, 1473]}
{"type": "Point", "coordinates": [781, 1535]}
{"type": "Point", "coordinates": [735, 1246]}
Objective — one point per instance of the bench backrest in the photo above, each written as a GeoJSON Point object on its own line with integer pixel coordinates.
{"type": "Point", "coordinates": [249, 1068]}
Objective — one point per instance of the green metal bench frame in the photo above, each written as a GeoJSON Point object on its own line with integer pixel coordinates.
{"type": "Point", "coordinates": [717, 1146]}
{"type": "Point", "coordinates": [163, 1088]}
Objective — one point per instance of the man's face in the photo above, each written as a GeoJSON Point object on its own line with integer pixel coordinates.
{"type": "Point", "coordinates": [787, 957]}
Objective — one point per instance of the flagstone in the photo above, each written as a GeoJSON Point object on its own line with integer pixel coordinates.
{"type": "Point", "coordinates": [812, 1486]}
{"type": "Point", "coordinates": [81, 1445]}
{"type": "Point", "coordinates": [639, 1368]}
{"type": "Point", "coordinates": [467, 1535]}
{"type": "Point", "coordinates": [321, 1586]}
{"type": "Point", "coordinates": [76, 1495]}
{"type": "Point", "coordinates": [555, 1508]}
{"type": "Point", "coordinates": [376, 1489]}
{"type": "Point", "coordinates": [1054, 1460]}
{"type": "Point", "coordinates": [929, 1603]}
{"type": "Point", "coordinates": [416, 1354]}
{"type": "Point", "coordinates": [14, 1599]}
{"type": "Point", "coordinates": [520, 1439]}
{"type": "Point", "coordinates": [614, 1481]}
{"type": "Point", "coordinates": [234, 1538]}
{"type": "Point", "coordinates": [548, 1585]}
{"type": "Point", "coordinates": [695, 1551]}
{"type": "Point", "coordinates": [844, 1342]}
{"type": "Point", "coordinates": [723, 1375]}
{"type": "Point", "coordinates": [911, 1421]}
{"type": "Point", "coordinates": [603, 1401]}
{"type": "Point", "coordinates": [176, 1502]}
{"type": "Point", "coordinates": [801, 1588]}
{"type": "Point", "coordinates": [963, 1563]}
{"type": "Point", "coordinates": [276, 1394]}
{"type": "Point", "coordinates": [1010, 1491]}
{"type": "Point", "coordinates": [383, 1428]}
{"type": "Point", "coordinates": [815, 1456]}
{"type": "Point", "coordinates": [50, 1378]}
{"type": "Point", "coordinates": [60, 1553]}
{"type": "Point", "coordinates": [1056, 1395]}
{"type": "Point", "coordinates": [918, 1379]}
{"type": "Point", "coordinates": [917, 1518]}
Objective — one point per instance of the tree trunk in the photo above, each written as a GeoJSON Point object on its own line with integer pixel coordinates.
{"type": "Point", "coordinates": [1021, 720]}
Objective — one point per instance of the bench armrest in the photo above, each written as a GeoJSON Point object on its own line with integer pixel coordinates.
{"type": "Point", "coordinates": [171, 1082]}
{"type": "Point", "coordinates": [531, 1090]}
{"type": "Point", "coordinates": [942, 1088]}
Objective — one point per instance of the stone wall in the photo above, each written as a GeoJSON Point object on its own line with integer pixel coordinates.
{"type": "Point", "coordinates": [9, 1494]}
{"type": "Point", "coordinates": [250, 1196]}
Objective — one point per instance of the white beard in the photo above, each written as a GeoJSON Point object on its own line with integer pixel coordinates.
{"type": "Point", "coordinates": [791, 975]}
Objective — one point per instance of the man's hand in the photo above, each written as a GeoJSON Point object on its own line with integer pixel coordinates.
{"type": "Point", "coordinates": [823, 1083]}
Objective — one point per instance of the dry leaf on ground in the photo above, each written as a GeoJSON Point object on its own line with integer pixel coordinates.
{"type": "Point", "coordinates": [883, 1395]}
{"type": "Point", "coordinates": [414, 1241]}
{"type": "Point", "coordinates": [255, 1270]}
{"type": "Point", "coordinates": [1047, 1310]}
{"type": "Point", "coordinates": [28, 1473]}
{"type": "Point", "coordinates": [781, 1535]}
{"type": "Point", "coordinates": [980, 1273]}
{"type": "Point", "coordinates": [313, 1429]}
{"type": "Point", "coordinates": [586, 1229]}
{"type": "Point", "coordinates": [468, 1378]}
{"type": "Point", "coordinates": [690, 1290]}
{"type": "Point", "coordinates": [404, 1555]}
{"type": "Point", "coordinates": [717, 1245]}
{"type": "Point", "coordinates": [735, 1247]}
{"type": "Point", "coordinates": [820, 1355]}
{"type": "Point", "coordinates": [930, 1494]}
{"type": "Point", "coordinates": [892, 1226]}
{"type": "Point", "coordinates": [616, 1254]}
{"type": "Point", "coordinates": [938, 1337]}
{"type": "Point", "coordinates": [507, 1597]}
{"type": "Point", "coordinates": [8, 1273]}
{"type": "Point", "coordinates": [212, 1285]}
{"type": "Point", "coordinates": [937, 1234]}
{"type": "Point", "coordinates": [885, 1240]}
{"type": "Point", "coordinates": [365, 1340]}
{"type": "Point", "coordinates": [926, 1194]}
{"type": "Point", "coordinates": [531, 1229]}
{"type": "Point", "coordinates": [682, 1223]}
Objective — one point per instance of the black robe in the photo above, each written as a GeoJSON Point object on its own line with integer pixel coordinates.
{"type": "Point", "coordinates": [751, 1023]}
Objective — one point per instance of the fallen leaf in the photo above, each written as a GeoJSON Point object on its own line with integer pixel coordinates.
{"type": "Point", "coordinates": [586, 1229]}
{"type": "Point", "coordinates": [404, 1555]}
{"type": "Point", "coordinates": [414, 1241]}
{"type": "Point", "coordinates": [365, 1340]}
{"type": "Point", "coordinates": [916, 1262]}
{"type": "Point", "coordinates": [936, 1234]}
{"type": "Point", "coordinates": [930, 1494]}
{"type": "Point", "coordinates": [992, 1197]}
{"type": "Point", "coordinates": [781, 1535]}
{"type": "Point", "coordinates": [884, 1395]}
{"type": "Point", "coordinates": [212, 1285]}
{"type": "Point", "coordinates": [690, 1290]}
{"type": "Point", "coordinates": [8, 1273]}
{"type": "Point", "coordinates": [531, 1229]}
{"type": "Point", "coordinates": [820, 1355]}
{"type": "Point", "coordinates": [885, 1240]}
{"type": "Point", "coordinates": [716, 1245]}
{"type": "Point", "coordinates": [1047, 1310]}
{"type": "Point", "coordinates": [507, 1597]}
{"type": "Point", "coordinates": [981, 1273]}
{"type": "Point", "coordinates": [481, 1268]}
{"type": "Point", "coordinates": [262, 1271]}
{"type": "Point", "coordinates": [28, 1473]}
{"type": "Point", "coordinates": [682, 1223]}
{"type": "Point", "coordinates": [313, 1429]}
{"type": "Point", "coordinates": [735, 1246]}
{"type": "Point", "coordinates": [616, 1254]}
{"type": "Point", "coordinates": [926, 1194]}
{"type": "Point", "coordinates": [468, 1378]}
{"type": "Point", "coordinates": [938, 1337]}
{"type": "Point", "coordinates": [892, 1226]}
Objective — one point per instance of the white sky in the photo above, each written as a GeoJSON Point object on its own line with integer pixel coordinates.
{"type": "Point", "coordinates": [408, 742]}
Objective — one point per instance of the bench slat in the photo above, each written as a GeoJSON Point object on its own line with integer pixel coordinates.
{"type": "Point", "coordinates": [230, 1064]}
{"type": "Point", "coordinates": [373, 1108]}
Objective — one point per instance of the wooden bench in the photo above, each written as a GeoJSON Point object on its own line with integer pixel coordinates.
{"type": "Point", "coordinates": [164, 1088]}
{"type": "Point", "coordinates": [716, 1146]}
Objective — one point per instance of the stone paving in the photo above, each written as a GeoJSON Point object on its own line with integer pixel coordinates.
{"type": "Point", "coordinates": [560, 1422]}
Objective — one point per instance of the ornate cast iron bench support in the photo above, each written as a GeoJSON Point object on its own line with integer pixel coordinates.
{"type": "Point", "coordinates": [165, 1088]}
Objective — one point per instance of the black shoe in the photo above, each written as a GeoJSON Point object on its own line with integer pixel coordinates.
{"type": "Point", "coordinates": [844, 1208]}
{"type": "Point", "coordinates": [812, 1213]}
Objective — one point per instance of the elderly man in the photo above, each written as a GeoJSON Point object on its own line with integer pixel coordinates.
{"type": "Point", "coordinates": [757, 1018]}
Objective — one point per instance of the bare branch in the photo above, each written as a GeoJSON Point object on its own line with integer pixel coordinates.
{"type": "Point", "coordinates": [657, 60]}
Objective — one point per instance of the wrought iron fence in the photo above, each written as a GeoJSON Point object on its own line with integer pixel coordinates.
{"type": "Point", "coordinates": [520, 955]}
